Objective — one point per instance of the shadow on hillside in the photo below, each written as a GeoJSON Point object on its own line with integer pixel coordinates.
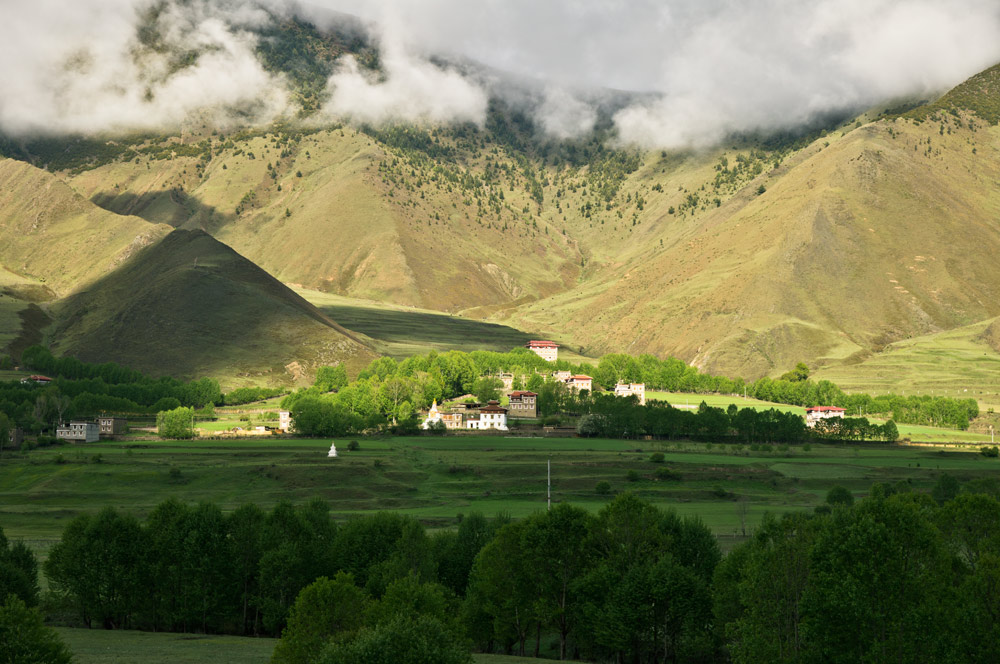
{"type": "Point", "coordinates": [416, 326]}
{"type": "Point", "coordinates": [168, 206]}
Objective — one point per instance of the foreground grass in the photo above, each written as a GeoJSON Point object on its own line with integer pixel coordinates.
{"type": "Point", "coordinates": [95, 646]}
{"type": "Point", "coordinates": [437, 479]}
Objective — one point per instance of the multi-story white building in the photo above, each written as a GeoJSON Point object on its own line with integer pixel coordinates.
{"type": "Point", "coordinates": [547, 350]}
{"type": "Point", "coordinates": [491, 416]}
{"type": "Point", "coordinates": [630, 389]}
{"type": "Point", "coordinates": [580, 382]}
{"type": "Point", "coordinates": [88, 432]}
{"type": "Point", "coordinates": [284, 421]}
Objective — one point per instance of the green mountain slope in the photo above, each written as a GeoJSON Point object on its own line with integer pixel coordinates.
{"type": "Point", "coordinates": [190, 306]}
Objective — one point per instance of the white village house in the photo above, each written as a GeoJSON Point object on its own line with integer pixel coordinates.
{"type": "Point", "coordinates": [816, 413]}
{"type": "Point", "coordinates": [630, 389]}
{"type": "Point", "coordinates": [547, 350]}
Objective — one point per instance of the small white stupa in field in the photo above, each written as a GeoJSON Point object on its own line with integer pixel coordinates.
{"type": "Point", "coordinates": [333, 451]}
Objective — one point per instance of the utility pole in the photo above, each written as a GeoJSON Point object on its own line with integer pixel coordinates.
{"type": "Point", "coordinates": [549, 489]}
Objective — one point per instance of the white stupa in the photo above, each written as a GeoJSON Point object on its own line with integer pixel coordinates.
{"type": "Point", "coordinates": [333, 451]}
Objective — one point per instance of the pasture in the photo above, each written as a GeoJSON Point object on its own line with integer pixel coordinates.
{"type": "Point", "coordinates": [438, 478]}
{"type": "Point", "coordinates": [97, 646]}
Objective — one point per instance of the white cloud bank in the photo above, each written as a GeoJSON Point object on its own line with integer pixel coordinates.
{"type": "Point", "coordinates": [711, 66]}
{"type": "Point", "coordinates": [705, 67]}
{"type": "Point", "coordinates": [78, 67]}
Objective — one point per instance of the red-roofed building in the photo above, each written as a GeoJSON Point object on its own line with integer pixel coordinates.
{"type": "Point", "coordinates": [547, 350]}
{"type": "Point", "coordinates": [816, 413]}
{"type": "Point", "coordinates": [581, 382]}
{"type": "Point", "coordinates": [41, 380]}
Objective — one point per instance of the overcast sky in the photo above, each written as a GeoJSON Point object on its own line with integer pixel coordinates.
{"type": "Point", "coordinates": [709, 66]}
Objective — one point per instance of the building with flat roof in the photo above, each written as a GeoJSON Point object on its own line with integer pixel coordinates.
{"type": "Point", "coordinates": [112, 426]}
{"type": "Point", "coordinates": [547, 350]}
{"type": "Point", "coordinates": [87, 432]}
{"type": "Point", "coordinates": [632, 389]}
{"type": "Point", "coordinates": [523, 404]}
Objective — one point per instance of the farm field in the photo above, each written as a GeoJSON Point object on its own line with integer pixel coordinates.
{"type": "Point", "coordinates": [97, 646]}
{"type": "Point", "coordinates": [438, 478]}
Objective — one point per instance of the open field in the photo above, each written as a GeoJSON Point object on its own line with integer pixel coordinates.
{"type": "Point", "coordinates": [692, 400]}
{"type": "Point", "coordinates": [97, 646]}
{"type": "Point", "coordinates": [957, 363]}
{"type": "Point", "coordinates": [437, 478]}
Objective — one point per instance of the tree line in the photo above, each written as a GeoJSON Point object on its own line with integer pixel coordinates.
{"type": "Point", "coordinates": [898, 576]}
{"type": "Point", "coordinates": [81, 389]}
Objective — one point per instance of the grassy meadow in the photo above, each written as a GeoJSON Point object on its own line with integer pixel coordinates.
{"type": "Point", "coordinates": [97, 646]}
{"type": "Point", "coordinates": [438, 478]}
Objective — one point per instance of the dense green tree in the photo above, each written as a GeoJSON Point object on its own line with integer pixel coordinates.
{"type": "Point", "coordinates": [487, 388]}
{"type": "Point", "coordinates": [98, 564]}
{"type": "Point", "coordinates": [325, 608]}
{"type": "Point", "coordinates": [839, 496]}
{"type": "Point", "coordinates": [24, 638]}
{"type": "Point", "coordinates": [879, 586]}
{"type": "Point", "coordinates": [329, 379]}
{"type": "Point", "coordinates": [18, 571]}
{"type": "Point", "coordinates": [176, 423]}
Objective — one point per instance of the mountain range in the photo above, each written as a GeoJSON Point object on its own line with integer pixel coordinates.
{"type": "Point", "coordinates": [175, 252]}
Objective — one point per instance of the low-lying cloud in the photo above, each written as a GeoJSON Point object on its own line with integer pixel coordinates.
{"type": "Point", "coordinates": [701, 68]}
{"type": "Point", "coordinates": [80, 68]}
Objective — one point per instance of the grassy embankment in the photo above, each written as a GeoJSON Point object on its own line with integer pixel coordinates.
{"type": "Point", "coordinates": [95, 646]}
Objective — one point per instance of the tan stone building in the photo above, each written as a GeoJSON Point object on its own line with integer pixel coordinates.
{"type": "Point", "coordinates": [523, 404]}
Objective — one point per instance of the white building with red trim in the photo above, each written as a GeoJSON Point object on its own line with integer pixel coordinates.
{"type": "Point", "coordinates": [547, 350]}
{"type": "Point", "coordinates": [816, 413]}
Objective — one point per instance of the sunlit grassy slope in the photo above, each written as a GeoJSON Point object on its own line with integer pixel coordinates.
{"type": "Point", "coordinates": [865, 236]}
{"type": "Point", "coordinates": [190, 306]}
{"type": "Point", "coordinates": [52, 239]}
{"type": "Point", "coordinates": [963, 362]}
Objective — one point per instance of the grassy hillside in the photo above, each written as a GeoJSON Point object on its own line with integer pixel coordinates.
{"type": "Point", "coordinates": [52, 240]}
{"type": "Point", "coordinates": [190, 306]}
{"type": "Point", "coordinates": [964, 362]}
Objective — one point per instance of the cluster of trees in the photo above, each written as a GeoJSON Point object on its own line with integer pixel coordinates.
{"type": "Point", "coordinates": [612, 417]}
{"type": "Point", "coordinates": [81, 389]}
{"type": "Point", "coordinates": [23, 635]}
{"type": "Point", "coordinates": [899, 576]}
{"type": "Point", "coordinates": [389, 393]}
{"type": "Point", "coordinates": [794, 388]}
